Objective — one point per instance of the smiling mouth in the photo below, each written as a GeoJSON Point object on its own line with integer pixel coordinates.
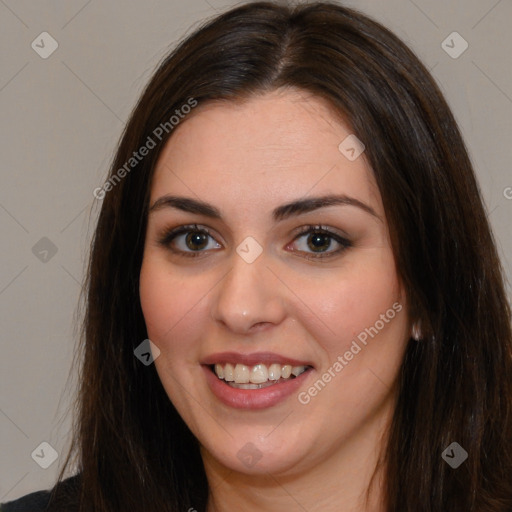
{"type": "Point", "coordinates": [259, 376]}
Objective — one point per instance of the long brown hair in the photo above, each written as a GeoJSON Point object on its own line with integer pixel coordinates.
{"type": "Point", "coordinates": [133, 450]}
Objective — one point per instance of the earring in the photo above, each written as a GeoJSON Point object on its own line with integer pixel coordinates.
{"type": "Point", "coordinates": [416, 331]}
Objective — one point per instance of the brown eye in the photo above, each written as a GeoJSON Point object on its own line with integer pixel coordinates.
{"type": "Point", "coordinates": [196, 241]}
{"type": "Point", "coordinates": [188, 240]}
{"type": "Point", "coordinates": [318, 242]}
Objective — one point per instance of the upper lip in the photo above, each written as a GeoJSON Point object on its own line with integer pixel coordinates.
{"type": "Point", "coordinates": [252, 359]}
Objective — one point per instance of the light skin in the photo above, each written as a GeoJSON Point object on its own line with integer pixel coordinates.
{"type": "Point", "coordinates": [246, 159]}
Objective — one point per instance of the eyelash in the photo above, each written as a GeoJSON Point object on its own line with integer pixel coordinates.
{"type": "Point", "coordinates": [171, 234]}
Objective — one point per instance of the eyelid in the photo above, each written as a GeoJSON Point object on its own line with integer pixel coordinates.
{"type": "Point", "coordinates": [322, 229]}
{"type": "Point", "coordinates": [342, 239]}
{"type": "Point", "coordinates": [170, 234]}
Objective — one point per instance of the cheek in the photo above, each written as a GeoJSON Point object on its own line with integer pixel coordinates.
{"type": "Point", "coordinates": [362, 335]}
{"type": "Point", "coordinates": [170, 305]}
{"type": "Point", "coordinates": [356, 299]}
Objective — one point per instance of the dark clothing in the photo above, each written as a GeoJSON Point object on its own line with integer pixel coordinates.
{"type": "Point", "coordinates": [33, 502]}
{"type": "Point", "coordinates": [65, 500]}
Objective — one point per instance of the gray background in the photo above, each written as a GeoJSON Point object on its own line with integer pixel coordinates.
{"type": "Point", "coordinates": [61, 119]}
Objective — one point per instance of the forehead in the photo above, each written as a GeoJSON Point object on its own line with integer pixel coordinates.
{"type": "Point", "coordinates": [271, 148]}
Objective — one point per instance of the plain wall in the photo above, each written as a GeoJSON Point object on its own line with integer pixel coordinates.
{"type": "Point", "coordinates": [61, 119]}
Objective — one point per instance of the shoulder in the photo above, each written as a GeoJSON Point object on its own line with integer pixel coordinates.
{"type": "Point", "coordinates": [33, 502]}
{"type": "Point", "coordinates": [65, 495]}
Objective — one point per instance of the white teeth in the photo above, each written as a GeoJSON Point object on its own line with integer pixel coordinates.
{"type": "Point", "coordinates": [286, 371]}
{"type": "Point", "coordinates": [297, 370]}
{"type": "Point", "coordinates": [274, 372]}
{"type": "Point", "coordinates": [228, 373]}
{"type": "Point", "coordinates": [259, 374]}
{"type": "Point", "coordinates": [241, 374]}
{"type": "Point", "coordinates": [256, 376]}
{"type": "Point", "coordinates": [219, 371]}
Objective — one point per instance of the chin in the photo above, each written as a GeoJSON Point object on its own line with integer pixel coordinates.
{"type": "Point", "coordinates": [253, 453]}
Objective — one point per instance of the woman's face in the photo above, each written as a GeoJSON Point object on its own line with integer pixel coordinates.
{"type": "Point", "coordinates": [259, 295]}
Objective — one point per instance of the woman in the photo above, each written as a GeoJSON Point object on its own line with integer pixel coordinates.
{"type": "Point", "coordinates": [293, 221]}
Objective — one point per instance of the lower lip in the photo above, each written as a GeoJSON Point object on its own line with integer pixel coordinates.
{"type": "Point", "coordinates": [253, 398]}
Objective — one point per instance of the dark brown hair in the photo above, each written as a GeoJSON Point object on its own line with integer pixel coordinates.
{"type": "Point", "coordinates": [132, 449]}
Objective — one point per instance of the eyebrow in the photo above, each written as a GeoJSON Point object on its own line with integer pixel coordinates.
{"type": "Point", "coordinates": [280, 213]}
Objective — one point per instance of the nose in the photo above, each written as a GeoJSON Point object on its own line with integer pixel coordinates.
{"type": "Point", "coordinates": [249, 297]}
